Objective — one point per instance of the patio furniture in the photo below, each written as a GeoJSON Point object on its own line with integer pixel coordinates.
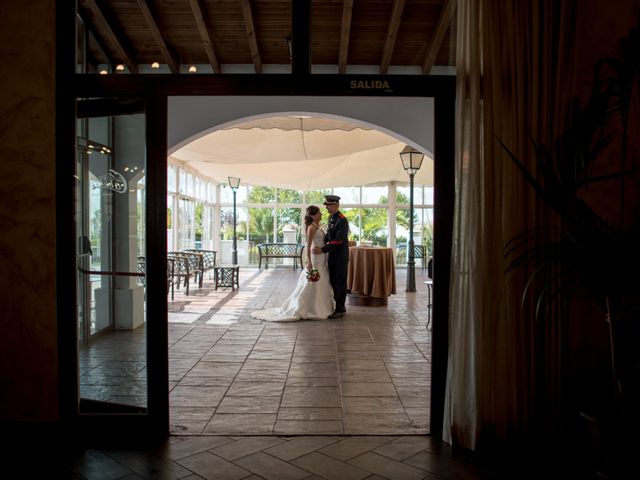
{"type": "Point", "coordinates": [226, 276]}
{"type": "Point", "coordinates": [420, 251]}
{"type": "Point", "coordinates": [182, 269]}
{"type": "Point", "coordinates": [207, 260]}
{"type": "Point", "coordinates": [280, 250]}
{"type": "Point", "coordinates": [371, 276]}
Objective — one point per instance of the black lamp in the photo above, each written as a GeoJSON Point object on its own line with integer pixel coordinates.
{"type": "Point", "coordinates": [234, 183]}
{"type": "Point", "coordinates": [411, 162]}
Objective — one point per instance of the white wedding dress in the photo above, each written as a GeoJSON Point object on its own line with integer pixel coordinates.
{"type": "Point", "coordinates": [309, 300]}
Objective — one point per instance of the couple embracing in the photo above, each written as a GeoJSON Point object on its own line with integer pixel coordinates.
{"type": "Point", "coordinates": [327, 253]}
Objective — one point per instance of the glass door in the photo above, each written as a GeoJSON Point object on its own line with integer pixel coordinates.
{"type": "Point", "coordinates": [111, 262]}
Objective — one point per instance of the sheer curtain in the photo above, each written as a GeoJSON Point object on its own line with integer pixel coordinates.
{"type": "Point", "coordinates": [513, 74]}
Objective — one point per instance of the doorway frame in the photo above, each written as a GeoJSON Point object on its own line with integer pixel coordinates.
{"type": "Point", "coordinates": [155, 89]}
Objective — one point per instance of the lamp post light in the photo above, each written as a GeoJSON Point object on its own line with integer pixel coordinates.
{"type": "Point", "coordinates": [234, 183]}
{"type": "Point", "coordinates": [411, 162]}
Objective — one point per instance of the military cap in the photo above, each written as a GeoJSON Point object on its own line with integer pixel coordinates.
{"type": "Point", "coordinates": [331, 199]}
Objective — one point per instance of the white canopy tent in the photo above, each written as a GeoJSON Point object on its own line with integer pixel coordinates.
{"type": "Point", "coordinates": [300, 153]}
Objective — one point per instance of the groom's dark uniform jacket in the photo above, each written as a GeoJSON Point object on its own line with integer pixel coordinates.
{"type": "Point", "coordinates": [337, 246]}
{"type": "Point", "coordinates": [337, 239]}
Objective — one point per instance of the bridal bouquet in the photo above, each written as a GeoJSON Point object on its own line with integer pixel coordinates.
{"type": "Point", "coordinates": [313, 275]}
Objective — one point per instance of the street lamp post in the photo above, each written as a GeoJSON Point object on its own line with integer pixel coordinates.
{"type": "Point", "coordinates": [234, 183]}
{"type": "Point", "coordinates": [411, 162]}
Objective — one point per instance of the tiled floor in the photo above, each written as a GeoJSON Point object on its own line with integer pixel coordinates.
{"type": "Point", "coordinates": [340, 399]}
{"type": "Point", "coordinates": [365, 373]}
{"type": "Point", "coordinates": [263, 457]}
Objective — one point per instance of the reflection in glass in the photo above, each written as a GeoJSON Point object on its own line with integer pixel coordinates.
{"type": "Point", "coordinates": [110, 215]}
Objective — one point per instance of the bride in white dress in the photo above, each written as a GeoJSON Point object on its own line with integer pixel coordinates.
{"type": "Point", "coordinates": [309, 300]}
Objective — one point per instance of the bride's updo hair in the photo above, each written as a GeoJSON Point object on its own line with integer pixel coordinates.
{"type": "Point", "coordinates": [311, 210]}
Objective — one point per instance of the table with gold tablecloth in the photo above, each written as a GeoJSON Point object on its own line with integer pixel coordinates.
{"type": "Point", "coordinates": [371, 277]}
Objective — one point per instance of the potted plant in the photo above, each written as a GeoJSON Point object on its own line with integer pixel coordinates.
{"type": "Point", "coordinates": [587, 249]}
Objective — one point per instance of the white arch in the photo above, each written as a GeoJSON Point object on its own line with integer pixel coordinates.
{"type": "Point", "coordinates": [409, 119]}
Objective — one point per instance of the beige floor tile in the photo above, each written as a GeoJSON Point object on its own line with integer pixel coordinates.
{"type": "Point", "coordinates": [314, 359]}
{"type": "Point", "coordinates": [313, 370]}
{"type": "Point", "coordinates": [196, 396]}
{"type": "Point", "coordinates": [274, 375]}
{"type": "Point", "coordinates": [364, 376]}
{"type": "Point", "coordinates": [240, 423]}
{"type": "Point", "coordinates": [309, 413]}
{"type": "Point", "coordinates": [361, 405]}
{"type": "Point", "coordinates": [385, 424]}
{"type": "Point", "coordinates": [313, 382]}
{"type": "Point", "coordinates": [361, 364]}
{"type": "Point", "coordinates": [311, 397]}
{"type": "Point", "coordinates": [249, 405]}
{"type": "Point", "coordinates": [308, 427]}
{"type": "Point", "coordinates": [255, 389]}
{"type": "Point", "coordinates": [368, 390]}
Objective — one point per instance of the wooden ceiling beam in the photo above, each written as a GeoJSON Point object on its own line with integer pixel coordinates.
{"type": "Point", "coordinates": [444, 21]}
{"type": "Point", "coordinates": [110, 35]}
{"type": "Point", "coordinates": [207, 43]}
{"type": "Point", "coordinates": [345, 34]}
{"type": "Point", "coordinates": [157, 35]}
{"type": "Point", "coordinates": [392, 33]}
{"type": "Point", "coordinates": [251, 35]}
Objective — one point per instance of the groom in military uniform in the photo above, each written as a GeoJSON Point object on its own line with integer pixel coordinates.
{"type": "Point", "coordinates": [337, 246]}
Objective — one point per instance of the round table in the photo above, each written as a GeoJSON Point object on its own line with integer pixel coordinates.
{"type": "Point", "coordinates": [371, 277]}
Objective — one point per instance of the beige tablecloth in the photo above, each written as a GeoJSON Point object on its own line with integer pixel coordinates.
{"type": "Point", "coordinates": [371, 271]}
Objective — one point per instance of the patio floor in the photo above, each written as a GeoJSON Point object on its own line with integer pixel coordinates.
{"type": "Point", "coordinates": [367, 373]}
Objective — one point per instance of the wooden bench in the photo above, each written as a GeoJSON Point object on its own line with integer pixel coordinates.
{"type": "Point", "coordinates": [280, 250]}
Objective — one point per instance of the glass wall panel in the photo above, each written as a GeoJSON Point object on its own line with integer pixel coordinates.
{"type": "Point", "coordinates": [260, 194]}
{"type": "Point", "coordinates": [316, 197]}
{"type": "Point", "coordinates": [374, 226]}
{"type": "Point", "coordinates": [110, 221]}
{"type": "Point", "coordinates": [186, 219]}
{"type": "Point", "coordinates": [261, 225]}
{"type": "Point", "coordinates": [198, 223]}
{"type": "Point", "coordinates": [186, 184]}
{"type": "Point", "coordinates": [402, 194]}
{"type": "Point", "coordinates": [226, 234]}
{"type": "Point", "coordinates": [349, 195]}
{"type": "Point", "coordinates": [211, 192]}
{"type": "Point", "coordinates": [289, 196]}
{"type": "Point", "coordinates": [171, 178]}
{"type": "Point", "coordinates": [402, 235]}
{"type": "Point", "coordinates": [226, 194]}
{"type": "Point", "coordinates": [289, 225]}
{"type": "Point", "coordinates": [377, 195]}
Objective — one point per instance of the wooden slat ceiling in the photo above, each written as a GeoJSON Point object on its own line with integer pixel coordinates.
{"type": "Point", "coordinates": [221, 33]}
